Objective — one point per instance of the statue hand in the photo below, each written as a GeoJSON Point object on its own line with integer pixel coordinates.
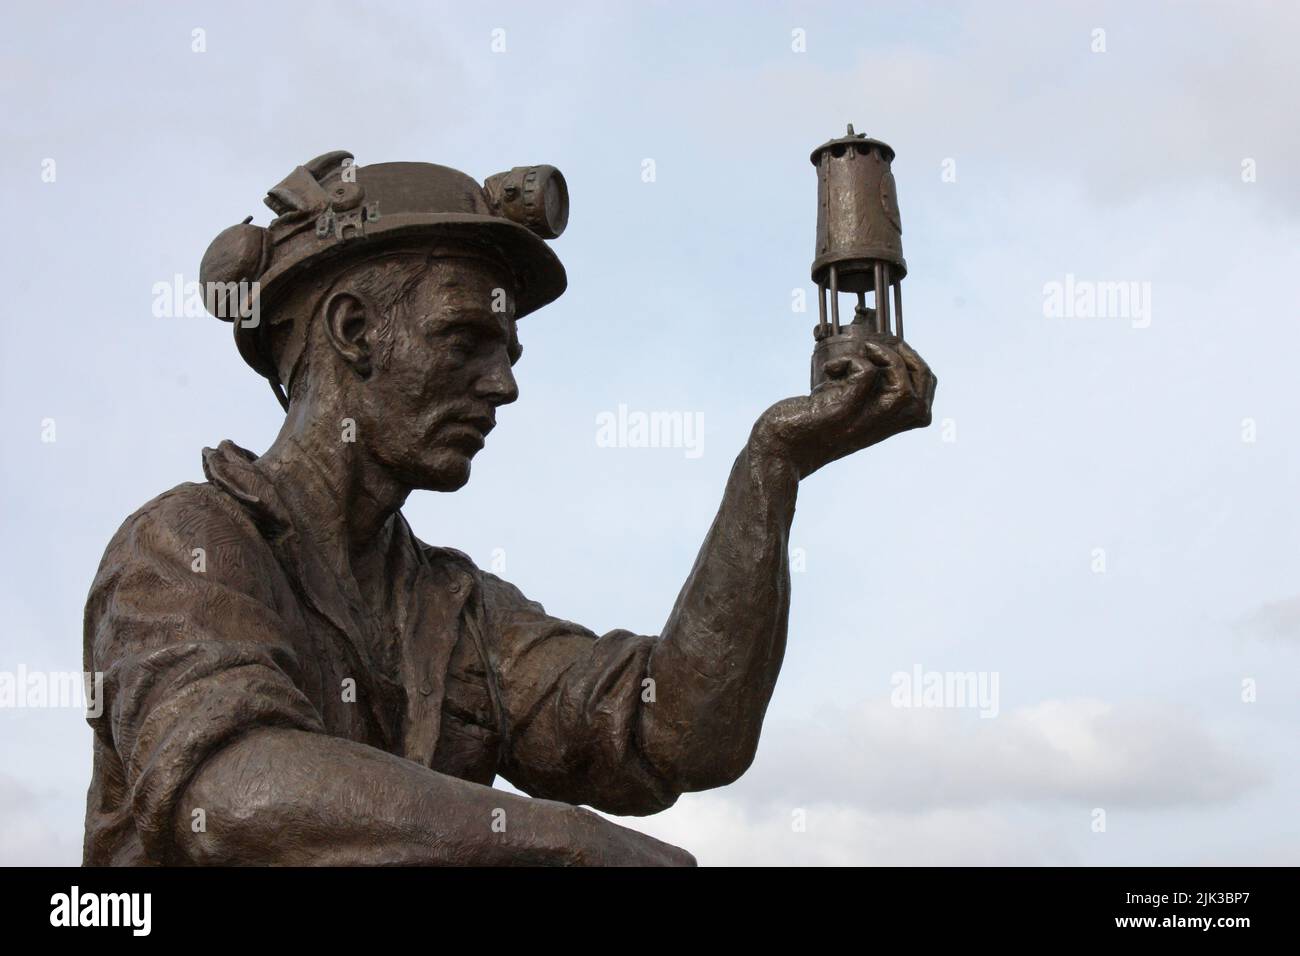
{"type": "Point", "coordinates": [882, 389]}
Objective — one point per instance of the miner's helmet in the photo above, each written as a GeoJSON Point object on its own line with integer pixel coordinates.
{"type": "Point", "coordinates": [331, 211]}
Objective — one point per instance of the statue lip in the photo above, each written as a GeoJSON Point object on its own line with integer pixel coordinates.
{"type": "Point", "coordinates": [471, 430]}
{"type": "Point", "coordinates": [484, 423]}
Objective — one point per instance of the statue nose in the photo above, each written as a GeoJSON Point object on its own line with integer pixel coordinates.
{"type": "Point", "coordinates": [499, 387]}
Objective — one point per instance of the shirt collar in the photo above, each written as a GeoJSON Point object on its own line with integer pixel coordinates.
{"type": "Point", "coordinates": [434, 584]}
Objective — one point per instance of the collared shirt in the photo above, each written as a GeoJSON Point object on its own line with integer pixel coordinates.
{"type": "Point", "coordinates": [219, 608]}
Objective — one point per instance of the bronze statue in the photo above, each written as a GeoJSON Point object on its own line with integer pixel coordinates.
{"type": "Point", "coordinates": [292, 677]}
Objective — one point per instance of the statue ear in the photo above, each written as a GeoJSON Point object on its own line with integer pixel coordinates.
{"type": "Point", "coordinates": [348, 327]}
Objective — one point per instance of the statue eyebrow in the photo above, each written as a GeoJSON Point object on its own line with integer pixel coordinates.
{"type": "Point", "coordinates": [479, 321]}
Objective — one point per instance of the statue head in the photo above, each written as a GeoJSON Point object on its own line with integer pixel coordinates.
{"type": "Point", "coordinates": [388, 296]}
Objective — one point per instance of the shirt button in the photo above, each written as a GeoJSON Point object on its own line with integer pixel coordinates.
{"type": "Point", "coordinates": [455, 587]}
{"type": "Point", "coordinates": [426, 688]}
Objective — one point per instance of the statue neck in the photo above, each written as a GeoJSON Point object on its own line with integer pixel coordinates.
{"type": "Point", "coordinates": [336, 484]}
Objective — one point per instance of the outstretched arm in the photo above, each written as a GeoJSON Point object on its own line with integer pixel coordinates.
{"type": "Point", "coordinates": [716, 663]}
{"type": "Point", "coordinates": [628, 722]}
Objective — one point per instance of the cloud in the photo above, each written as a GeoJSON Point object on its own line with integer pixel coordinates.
{"type": "Point", "coordinates": [1083, 752]}
{"type": "Point", "coordinates": [722, 831]}
{"type": "Point", "coordinates": [31, 833]}
{"type": "Point", "coordinates": [1024, 94]}
{"type": "Point", "coordinates": [914, 787]}
{"type": "Point", "coordinates": [1277, 621]}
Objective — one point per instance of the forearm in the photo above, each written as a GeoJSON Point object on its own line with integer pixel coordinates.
{"type": "Point", "coordinates": [716, 662]}
{"type": "Point", "coordinates": [288, 797]}
{"type": "Point", "coordinates": [719, 654]}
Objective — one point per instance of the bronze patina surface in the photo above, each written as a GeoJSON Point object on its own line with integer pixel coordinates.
{"type": "Point", "coordinates": [292, 676]}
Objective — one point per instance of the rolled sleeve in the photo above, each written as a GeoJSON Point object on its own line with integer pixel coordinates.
{"type": "Point", "coordinates": [572, 703]}
{"type": "Point", "coordinates": [191, 659]}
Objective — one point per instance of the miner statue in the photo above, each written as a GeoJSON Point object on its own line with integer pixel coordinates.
{"type": "Point", "coordinates": [291, 676]}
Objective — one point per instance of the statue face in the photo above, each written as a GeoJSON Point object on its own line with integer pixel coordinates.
{"type": "Point", "coordinates": [430, 403]}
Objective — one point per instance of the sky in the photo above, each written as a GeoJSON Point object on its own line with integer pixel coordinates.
{"type": "Point", "coordinates": [1101, 518]}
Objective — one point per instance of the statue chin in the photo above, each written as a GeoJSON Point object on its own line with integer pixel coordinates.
{"type": "Point", "coordinates": [447, 469]}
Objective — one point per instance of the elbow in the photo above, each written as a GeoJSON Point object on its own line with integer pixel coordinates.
{"type": "Point", "coordinates": [720, 766]}
{"type": "Point", "coordinates": [211, 829]}
{"type": "Point", "coordinates": [232, 812]}
{"type": "Point", "coordinates": [703, 756]}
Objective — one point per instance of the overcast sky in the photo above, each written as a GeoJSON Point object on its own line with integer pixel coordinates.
{"type": "Point", "coordinates": [1103, 514]}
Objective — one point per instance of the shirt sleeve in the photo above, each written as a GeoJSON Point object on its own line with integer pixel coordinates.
{"type": "Point", "coordinates": [572, 705]}
{"type": "Point", "coordinates": [192, 650]}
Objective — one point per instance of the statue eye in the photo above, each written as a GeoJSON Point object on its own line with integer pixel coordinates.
{"type": "Point", "coordinates": [461, 341]}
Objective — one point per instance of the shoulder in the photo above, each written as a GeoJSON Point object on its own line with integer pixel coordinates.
{"type": "Point", "coordinates": [190, 511]}
{"type": "Point", "coordinates": [194, 525]}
